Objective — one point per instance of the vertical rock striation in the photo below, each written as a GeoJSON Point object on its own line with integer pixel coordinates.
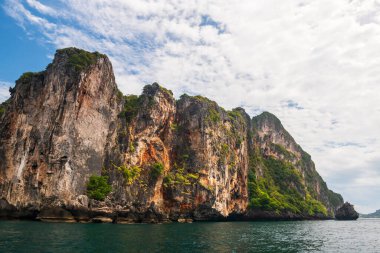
{"type": "Point", "coordinates": [55, 130]}
{"type": "Point", "coordinates": [165, 159]}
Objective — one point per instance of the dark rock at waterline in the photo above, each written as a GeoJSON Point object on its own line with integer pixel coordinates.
{"type": "Point", "coordinates": [346, 212]}
{"type": "Point", "coordinates": [55, 214]}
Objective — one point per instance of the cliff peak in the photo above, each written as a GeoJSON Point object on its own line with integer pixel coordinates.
{"type": "Point", "coordinates": [76, 59]}
{"type": "Point", "coordinates": [267, 118]}
{"type": "Point", "coordinates": [154, 88]}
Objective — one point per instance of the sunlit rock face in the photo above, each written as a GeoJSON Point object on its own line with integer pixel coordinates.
{"type": "Point", "coordinates": [165, 159]}
{"type": "Point", "coordinates": [55, 131]}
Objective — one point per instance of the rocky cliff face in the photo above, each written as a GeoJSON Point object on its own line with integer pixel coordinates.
{"type": "Point", "coordinates": [55, 131]}
{"type": "Point", "coordinates": [284, 176]}
{"type": "Point", "coordinates": [164, 159]}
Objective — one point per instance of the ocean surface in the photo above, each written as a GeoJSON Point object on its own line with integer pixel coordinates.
{"type": "Point", "coordinates": [362, 235]}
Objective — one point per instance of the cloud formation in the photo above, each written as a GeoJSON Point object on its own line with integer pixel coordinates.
{"type": "Point", "coordinates": [4, 90]}
{"type": "Point", "coordinates": [312, 63]}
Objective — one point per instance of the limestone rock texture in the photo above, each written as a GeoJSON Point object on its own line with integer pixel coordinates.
{"type": "Point", "coordinates": [55, 132]}
{"type": "Point", "coordinates": [346, 212]}
{"type": "Point", "coordinates": [166, 159]}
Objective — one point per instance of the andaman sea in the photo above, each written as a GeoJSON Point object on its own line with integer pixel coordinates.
{"type": "Point", "coordinates": [362, 235]}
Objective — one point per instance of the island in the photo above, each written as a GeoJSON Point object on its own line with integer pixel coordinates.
{"type": "Point", "coordinates": [74, 148]}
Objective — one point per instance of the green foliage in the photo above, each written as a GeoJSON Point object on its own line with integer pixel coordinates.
{"type": "Point", "coordinates": [261, 198]}
{"type": "Point", "coordinates": [281, 150]}
{"type": "Point", "coordinates": [306, 162]}
{"type": "Point", "coordinates": [214, 115]}
{"type": "Point", "coordinates": [212, 108]}
{"type": "Point", "coordinates": [174, 126]}
{"type": "Point", "coordinates": [169, 179]}
{"type": "Point", "coordinates": [130, 173]}
{"type": "Point", "coordinates": [166, 91]}
{"type": "Point", "coordinates": [282, 173]}
{"type": "Point", "coordinates": [207, 187]}
{"type": "Point", "coordinates": [25, 77]}
{"type": "Point", "coordinates": [131, 147]}
{"type": "Point", "coordinates": [2, 110]}
{"type": "Point", "coordinates": [98, 187]}
{"type": "Point", "coordinates": [235, 115]}
{"type": "Point", "coordinates": [204, 100]}
{"type": "Point", "coordinates": [149, 93]}
{"type": "Point", "coordinates": [280, 189]}
{"type": "Point", "coordinates": [314, 207]}
{"type": "Point", "coordinates": [119, 94]}
{"type": "Point", "coordinates": [151, 89]}
{"type": "Point", "coordinates": [131, 107]}
{"type": "Point", "coordinates": [180, 177]}
{"type": "Point", "coordinates": [3, 107]}
{"type": "Point", "coordinates": [80, 59]}
{"type": "Point", "coordinates": [335, 199]}
{"type": "Point", "coordinates": [239, 141]}
{"type": "Point", "coordinates": [156, 170]}
{"type": "Point", "coordinates": [192, 176]}
{"type": "Point", "coordinates": [223, 154]}
{"type": "Point", "coordinates": [224, 149]}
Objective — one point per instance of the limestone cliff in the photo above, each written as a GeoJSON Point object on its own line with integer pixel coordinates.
{"type": "Point", "coordinates": [283, 176]}
{"type": "Point", "coordinates": [164, 159]}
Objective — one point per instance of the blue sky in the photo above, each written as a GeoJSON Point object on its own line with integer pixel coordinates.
{"type": "Point", "coordinates": [313, 63]}
{"type": "Point", "coordinates": [20, 52]}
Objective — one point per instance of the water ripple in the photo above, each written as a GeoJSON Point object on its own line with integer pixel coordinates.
{"type": "Point", "coordinates": [297, 236]}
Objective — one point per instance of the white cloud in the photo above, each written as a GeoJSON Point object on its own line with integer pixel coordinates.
{"type": "Point", "coordinates": [4, 91]}
{"type": "Point", "coordinates": [321, 55]}
{"type": "Point", "coordinates": [41, 7]}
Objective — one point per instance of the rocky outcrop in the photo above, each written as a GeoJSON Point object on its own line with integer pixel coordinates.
{"type": "Point", "coordinates": [55, 214]}
{"type": "Point", "coordinates": [346, 212]}
{"type": "Point", "coordinates": [55, 131]}
{"type": "Point", "coordinates": [164, 159]}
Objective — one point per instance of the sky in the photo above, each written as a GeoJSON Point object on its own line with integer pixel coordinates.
{"type": "Point", "coordinates": [315, 64]}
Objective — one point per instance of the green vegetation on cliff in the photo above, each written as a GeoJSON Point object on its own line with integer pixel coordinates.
{"type": "Point", "coordinates": [131, 107]}
{"type": "Point", "coordinates": [180, 177]}
{"type": "Point", "coordinates": [236, 115]}
{"type": "Point", "coordinates": [280, 189]}
{"type": "Point", "coordinates": [27, 77]}
{"type": "Point", "coordinates": [335, 198]}
{"type": "Point", "coordinates": [156, 170]}
{"type": "Point", "coordinates": [80, 59]}
{"type": "Point", "coordinates": [312, 178]}
{"type": "Point", "coordinates": [3, 107]}
{"type": "Point", "coordinates": [130, 173]}
{"type": "Point", "coordinates": [98, 187]}
{"type": "Point", "coordinates": [281, 150]}
{"type": "Point", "coordinates": [212, 107]}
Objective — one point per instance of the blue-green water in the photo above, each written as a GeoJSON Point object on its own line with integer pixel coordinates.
{"type": "Point", "coordinates": [362, 235]}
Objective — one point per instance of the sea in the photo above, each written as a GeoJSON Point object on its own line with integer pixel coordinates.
{"type": "Point", "coordinates": [362, 235]}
